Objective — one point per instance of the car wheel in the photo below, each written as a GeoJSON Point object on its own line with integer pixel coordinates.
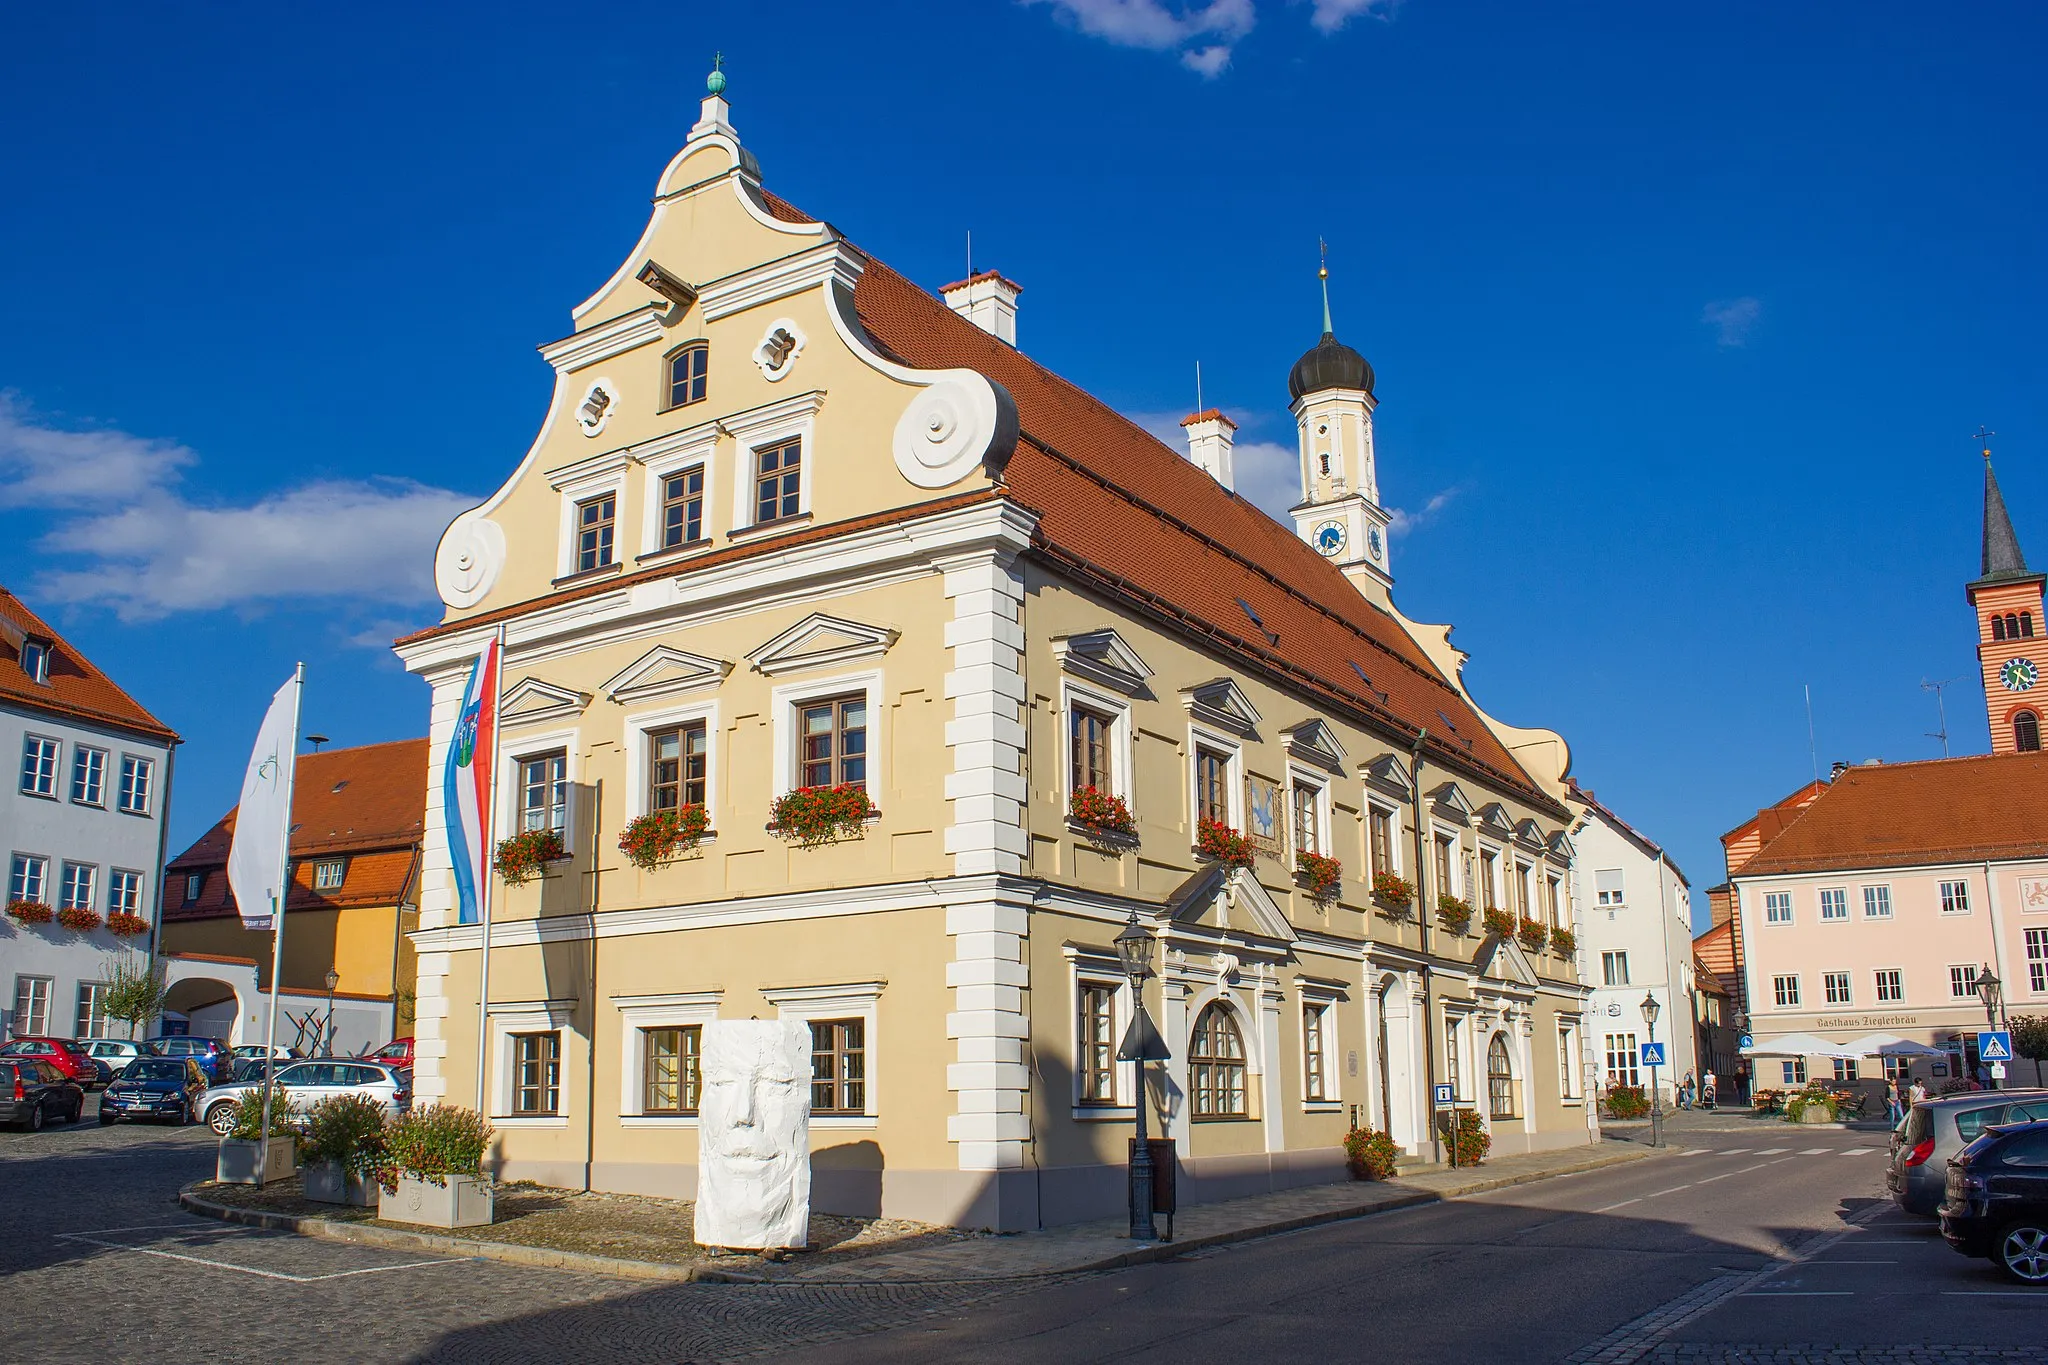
{"type": "Point", "coordinates": [37, 1118]}
{"type": "Point", "coordinates": [221, 1118]}
{"type": "Point", "coordinates": [2023, 1253]}
{"type": "Point", "coordinates": [106, 1118]}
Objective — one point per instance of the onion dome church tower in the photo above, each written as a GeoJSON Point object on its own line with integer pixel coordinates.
{"type": "Point", "coordinates": [2011, 631]}
{"type": "Point", "coordinates": [1339, 512]}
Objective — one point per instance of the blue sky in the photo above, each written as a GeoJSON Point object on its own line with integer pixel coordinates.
{"type": "Point", "coordinates": [1682, 315]}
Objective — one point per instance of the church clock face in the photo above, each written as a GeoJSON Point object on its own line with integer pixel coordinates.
{"type": "Point", "coordinates": [1372, 542]}
{"type": "Point", "coordinates": [2018, 675]}
{"type": "Point", "coordinates": [1330, 538]}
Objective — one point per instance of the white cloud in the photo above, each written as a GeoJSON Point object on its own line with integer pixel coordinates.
{"type": "Point", "coordinates": [1330, 15]}
{"type": "Point", "coordinates": [1207, 61]}
{"type": "Point", "coordinates": [1400, 521]}
{"type": "Point", "coordinates": [1163, 26]}
{"type": "Point", "coordinates": [1733, 319]}
{"type": "Point", "coordinates": [128, 537]}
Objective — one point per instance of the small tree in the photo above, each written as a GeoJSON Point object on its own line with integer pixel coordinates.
{"type": "Point", "coordinates": [2030, 1039]}
{"type": "Point", "coordinates": [136, 995]}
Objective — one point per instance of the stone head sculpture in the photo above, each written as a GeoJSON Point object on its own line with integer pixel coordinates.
{"type": "Point", "coordinates": [753, 1124]}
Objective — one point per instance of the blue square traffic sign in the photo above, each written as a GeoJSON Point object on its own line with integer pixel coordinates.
{"type": "Point", "coordinates": [1443, 1095]}
{"type": "Point", "coordinates": [1653, 1054]}
{"type": "Point", "coordinates": [1994, 1045]}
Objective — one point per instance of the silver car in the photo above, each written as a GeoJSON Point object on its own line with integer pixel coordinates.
{"type": "Point", "coordinates": [1936, 1129]}
{"type": "Point", "coordinates": [307, 1083]}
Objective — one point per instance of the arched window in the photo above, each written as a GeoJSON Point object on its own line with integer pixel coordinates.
{"type": "Point", "coordinates": [688, 373]}
{"type": "Point", "coordinates": [2012, 626]}
{"type": "Point", "coordinates": [1500, 1080]}
{"type": "Point", "coordinates": [1998, 627]}
{"type": "Point", "coordinates": [1216, 1065]}
{"type": "Point", "coordinates": [2027, 624]}
{"type": "Point", "coordinates": [2026, 732]}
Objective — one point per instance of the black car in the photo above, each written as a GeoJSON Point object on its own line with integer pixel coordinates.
{"type": "Point", "coordinates": [155, 1088]}
{"type": "Point", "coordinates": [1997, 1204]}
{"type": "Point", "coordinates": [33, 1093]}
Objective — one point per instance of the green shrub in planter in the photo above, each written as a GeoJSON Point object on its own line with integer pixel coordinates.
{"type": "Point", "coordinates": [1370, 1154]}
{"type": "Point", "coordinates": [434, 1143]}
{"type": "Point", "coordinates": [347, 1130]}
{"type": "Point", "coordinates": [249, 1115]}
{"type": "Point", "coordinates": [1627, 1102]}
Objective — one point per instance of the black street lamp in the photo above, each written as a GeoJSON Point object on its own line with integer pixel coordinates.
{"type": "Point", "coordinates": [333, 980]}
{"type": "Point", "coordinates": [1134, 946]}
{"type": "Point", "coordinates": [1988, 991]}
{"type": "Point", "coordinates": [1651, 1009]}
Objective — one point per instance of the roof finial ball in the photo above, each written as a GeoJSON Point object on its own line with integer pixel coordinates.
{"type": "Point", "coordinates": [715, 82]}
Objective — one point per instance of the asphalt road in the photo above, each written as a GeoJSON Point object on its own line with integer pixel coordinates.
{"type": "Point", "coordinates": [1723, 1254]}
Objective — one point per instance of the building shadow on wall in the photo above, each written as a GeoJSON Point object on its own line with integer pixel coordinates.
{"type": "Point", "coordinates": [847, 1179]}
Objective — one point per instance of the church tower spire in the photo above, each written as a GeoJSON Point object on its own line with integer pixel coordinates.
{"type": "Point", "coordinates": [1339, 512]}
{"type": "Point", "coordinates": [2011, 627]}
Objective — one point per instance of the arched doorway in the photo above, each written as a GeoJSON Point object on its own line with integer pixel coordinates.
{"type": "Point", "coordinates": [1500, 1080]}
{"type": "Point", "coordinates": [1396, 1049]}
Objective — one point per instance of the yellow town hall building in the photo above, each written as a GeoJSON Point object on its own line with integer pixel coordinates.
{"type": "Point", "coordinates": [794, 522]}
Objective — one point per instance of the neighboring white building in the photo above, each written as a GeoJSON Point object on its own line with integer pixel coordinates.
{"type": "Point", "coordinates": [1634, 939]}
{"type": "Point", "coordinates": [81, 827]}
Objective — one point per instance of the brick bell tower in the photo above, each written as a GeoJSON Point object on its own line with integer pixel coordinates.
{"type": "Point", "coordinates": [2012, 633]}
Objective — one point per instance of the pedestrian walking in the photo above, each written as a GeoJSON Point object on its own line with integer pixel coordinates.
{"type": "Point", "coordinates": [1685, 1089]}
{"type": "Point", "coordinates": [1917, 1094]}
{"type": "Point", "coordinates": [1895, 1111]}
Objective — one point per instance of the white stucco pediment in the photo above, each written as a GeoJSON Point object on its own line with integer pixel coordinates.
{"type": "Point", "coordinates": [1246, 894]}
{"type": "Point", "coordinates": [1494, 820]}
{"type": "Point", "coordinates": [1389, 774]}
{"type": "Point", "coordinates": [1222, 703]}
{"type": "Point", "coordinates": [1105, 657]}
{"type": "Point", "coordinates": [532, 700]}
{"type": "Point", "coordinates": [1561, 848]}
{"type": "Point", "coordinates": [665, 670]}
{"type": "Point", "coordinates": [1313, 741]}
{"type": "Point", "coordinates": [1530, 836]}
{"type": "Point", "coordinates": [1450, 802]}
{"type": "Point", "coordinates": [819, 641]}
{"type": "Point", "coordinates": [1503, 960]}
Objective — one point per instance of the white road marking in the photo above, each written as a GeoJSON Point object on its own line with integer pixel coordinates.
{"type": "Point", "coordinates": [1773, 1151]}
{"type": "Point", "coordinates": [1622, 1205]}
{"type": "Point", "coordinates": [1799, 1294]}
{"type": "Point", "coordinates": [1712, 1178]}
{"type": "Point", "coordinates": [1820, 1262]}
{"type": "Point", "coordinates": [1673, 1190]}
{"type": "Point", "coordinates": [1817, 1151]}
{"type": "Point", "coordinates": [2034, 1294]}
{"type": "Point", "coordinates": [158, 1227]}
{"type": "Point", "coordinates": [1860, 1151]}
{"type": "Point", "coordinates": [248, 1270]}
{"type": "Point", "coordinates": [1698, 1151]}
{"type": "Point", "coordinates": [1733, 1151]}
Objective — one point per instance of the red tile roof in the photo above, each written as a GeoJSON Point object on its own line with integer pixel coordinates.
{"type": "Point", "coordinates": [977, 278]}
{"type": "Point", "coordinates": [1208, 415]}
{"type": "Point", "coordinates": [75, 689]}
{"type": "Point", "coordinates": [1945, 810]}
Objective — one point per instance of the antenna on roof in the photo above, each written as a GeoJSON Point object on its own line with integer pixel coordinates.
{"type": "Point", "coordinates": [970, 253]}
{"type": "Point", "coordinates": [1198, 387]}
{"type": "Point", "coordinates": [316, 741]}
{"type": "Point", "coordinates": [1812, 750]}
{"type": "Point", "coordinates": [1941, 709]}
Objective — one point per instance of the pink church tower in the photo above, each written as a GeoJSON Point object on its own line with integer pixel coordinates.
{"type": "Point", "coordinates": [2011, 630]}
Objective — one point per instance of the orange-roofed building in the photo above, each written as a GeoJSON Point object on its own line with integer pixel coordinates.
{"type": "Point", "coordinates": [357, 821]}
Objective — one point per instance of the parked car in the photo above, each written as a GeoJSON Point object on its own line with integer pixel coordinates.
{"type": "Point", "coordinates": [1997, 1200]}
{"type": "Point", "coordinates": [397, 1052]}
{"type": "Point", "coordinates": [1937, 1129]}
{"type": "Point", "coordinates": [309, 1082]}
{"type": "Point", "coordinates": [34, 1092]}
{"type": "Point", "coordinates": [115, 1053]}
{"type": "Point", "coordinates": [256, 1052]}
{"type": "Point", "coordinates": [155, 1088]}
{"type": "Point", "coordinates": [62, 1053]}
{"type": "Point", "coordinates": [210, 1053]}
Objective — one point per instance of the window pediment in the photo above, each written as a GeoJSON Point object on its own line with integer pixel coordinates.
{"type": "Point", "coordinates": [1560, 846]}
{"type": "Point", "coordinates": [1103, 656]}
{"type": "Point", "coordinates": [818, 641]}
{"type": "Point", "coordinates": [665, 670]}
{"type": "Point", "coordinates": [1314, 741]}
{"type": "Point", "coordinates": [1530, 836]}
{"type": "Point", "coordinates": [1388, 774]}
{"type": "Point", "coordinates": [1449, 801]}
{"type": "Point", "coordinates": [535, 700]}
{"type": "Point", "coordinates": [1494, 820]}
{"type": "Point", "coordinates": [1223, 704]}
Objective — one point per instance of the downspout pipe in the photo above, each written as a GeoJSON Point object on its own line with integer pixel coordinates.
{"type": "Point", "coordinates": [1422, 919]}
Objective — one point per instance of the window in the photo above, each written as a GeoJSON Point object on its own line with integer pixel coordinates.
{"type": "Point", "coordinates": [1308, 823]}
{"type": "Point", "coordinates": [1440, 864]}
{"type": "Point", "coordinates": [31, 1005]}
{"type": "Point", "coordinates": [1795, 1071]}
{"type": "Point", "coordinates": [1380, 828]}
{"type": "Point", "coordinates": [1607, 886]}
{"type": "Point", "coordinates": [2026, 732]}
{"type": "Point", "coordinates": [670, 1069]}
{"type": "Point", "coordinates": [136, 776]}
{"type": "Point", "coordinates": [596, 519]}
{"type": "Point", "coordinates": [91, 1020]}
{"type": "Point", "coordinates": [682, 508]}
{"type": "Point", "coordinates": [1553, 903]}
{"type": "Point", "coordinates": [689, 372]}
{"type": "Point", "coordinates": [839, 1073]}
{"type": "Point", "coordinates": [1891, 985]}
{"type": "Point", "coordinates": [1877, 902]}
{"type": "Point", "coordinates": [2037, 960]}
{"type": "Point", "coordinates": [1777, 907]}
{"type": "Point", "coordinates": [329, 873]}
{"type": "Point", "coordinates": [1998, 627]}
{"type": "Point", "coordinates": [2027, 623]}
{"type": "Point", "coordinates": [778, 481]}
{"type": "Point", "coordinates": [195, 882]}
{"type": "Point", "coordinates": [1845, 1068]}
{"type": "Point", "coordinates": [835, 742]}
{"type": "Point", "coordinates": [1835, 986]}
{"type": "Point", "coordinates": [35, 660]}
{"type": "Point", "coordinates": [1097, 1033]}
{"type": "Point", "coordinates": [537, 1073]}
{"type": "Point", "coordinates": [1955, 898]}
{"type": "Point", "coordinates": [1216, 1066]}
{"type": "Point", "coordinates": [1834, 903]}
{"type": "Point", "coordinates": [89, 776]}
{"type": "Point", "coordinates": [1500, 1080]}
{"type": "Point", "coordinates": [1614, 968]}
{"type": "Point", "coordinates": [1567, 1059]}
{"type": "Point", "coordinates": [1521, 890]}
{"type": "Point", "coordinates": [28, 880]}
{"type": "Point", "coordinates": [39, 766]}
{"type": "Point", "coordinates": [76, 886]}
{"type": "Point", "coordinates": [1454, 1047]}
{"type": "Point", "coordinates": [1089, 735]}
{"type": "Point", "coordinates": [1962, 982]}
{"type": "Point", "coordinates": [124, 893]}
{"type": "Point", "coordinates": [1621, 1060]}
{"type": "Point", "coordinates": [1489, 876]}
{"type": "Point", "coordinates": [1785, 991]}
{"type": "Point", "coordinates": [1212, 786]}
{"type": "Point", "coordinates": [544, 792]}
{"type": "Point", "coordinates": [676, 766]}
{"type": "Point", "coordinates": [1314, 1021]}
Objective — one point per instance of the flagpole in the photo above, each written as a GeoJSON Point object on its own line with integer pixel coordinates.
{"type": "Point", "coordinates": [290, 762]}
{"type": "Point", "coordinates": [483, 890]}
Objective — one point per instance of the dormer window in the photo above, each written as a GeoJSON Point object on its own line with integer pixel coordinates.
{"type": "Point", "coordinates": [329, 874]}
{"type": "Point", "coordinates": [689, 374]}
{"type": "Point", "coordinates": [35, 660]}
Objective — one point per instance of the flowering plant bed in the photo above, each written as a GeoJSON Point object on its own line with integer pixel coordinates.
{"type": "Point", "coordinates": [820, 815]}
{"type": "Point", "coordinates": [652, 839]}
{"type": "Point", "coordinates": [521, 856]}
{"type": "Point", "coordinates": [1533, 935]}
{"type": "Point", "coordinates": [79, 918]}
{"type": "Point", "coordinates": [1392, 891]}
{"type": "Point", "coordinates": [1322, 877]}
{"type": "Point", "coordinates": [1627, 1102]}
{"type": "Point", "coordinates": [1453, 914]}
{"type": "Point", "coordinates": [1470, 1142]}
{"type": "Point", "coordinates": [1102, 812]}
{"type": "Point", "coordinates": [1214, 839]}
{"type": "Point", "coordinates": [1499, 923]}
{"type": "Point", "coordinates": [127, 925]}
{"type": "Point", "coordinates": [1565, 941]}
{"type": "Point", "coordinates": [31, 912]}
{"type": "Point", "coordinates": [1370, 1154]}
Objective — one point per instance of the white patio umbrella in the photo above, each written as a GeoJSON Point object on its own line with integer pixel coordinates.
{"type": "Point", "coordinates": [1891, 1045]}
{"type": "Point", "coordinates": [1801, 1045]}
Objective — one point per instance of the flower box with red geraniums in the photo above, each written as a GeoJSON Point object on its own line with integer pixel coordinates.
{"type": "Point", "coordinates": [1371, 1154]}
{"type": "Point", "coordinates": [1102, 813]}
{"type": "Point", "coordinates": [522, 856]}
{"type": "Point", "coordinates": [127, 925]}
{"type": "Point", "coordinates": [1564, 941]}
{"type": "Point", "coordinates": [1453, 914]}
{"type": "Point", "coordinates": [79, 918]}
{"type": "Point", "coordinates": [652, 839]}
{"type": "Point", "coordinates": [1470, 1142]}
{"type": "Point", "coordinates": [1393, 892]}
{"type": "Point", "coordinates": [1533, 935]}
{"type": "Point", "coordinates": [1214, 839]}
{"type": "Point", "coordinates": [821, 815]}
{"type": "Point", "coordinates": [1322, 877]}
{"type": "Point", "coordinates": [1499, 923]}
{"type": "Point", "coordinates": [31, 912]}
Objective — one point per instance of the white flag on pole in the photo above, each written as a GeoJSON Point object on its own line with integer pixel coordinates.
{"type": "Point", "coordinates": [257, 861]}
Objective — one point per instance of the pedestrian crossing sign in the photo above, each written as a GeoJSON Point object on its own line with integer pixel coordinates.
{"type": "Point", "coordinates": [1994, 1045]}
{"type": "Point", "coordinates": [1653, 1054]}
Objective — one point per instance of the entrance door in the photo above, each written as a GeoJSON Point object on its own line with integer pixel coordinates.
{"type": "Point", "coordinates": [1386, 1088]}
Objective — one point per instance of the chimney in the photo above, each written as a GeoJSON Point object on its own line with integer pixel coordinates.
{"type": "Point", "coordinates": [988, 301]}
{"type": "Point", "coordinates": [1209, 437]}
{"type": "Point", "coordinates": [1839, 768]}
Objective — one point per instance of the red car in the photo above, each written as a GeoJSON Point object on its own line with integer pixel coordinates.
{"type": "Point", "coordinates": [397, 1052]}
{"type": "Point", "coordinates": [67, 1056]}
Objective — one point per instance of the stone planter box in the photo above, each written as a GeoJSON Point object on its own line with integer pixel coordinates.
{"type": "Point", "coordinates": [464, 1202]}
{"type": "Point", "coordinates": [329, 1182]}
{"type": "Point", "coordinates": [1816, 1113]}
{"type": "Point", "coordinates": [237, 1165]}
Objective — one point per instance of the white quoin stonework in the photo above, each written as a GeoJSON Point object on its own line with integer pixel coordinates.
{"type": "Point", "coordinates": [437, 901]}
{"type": "Point", "coordinates": [985, 639]}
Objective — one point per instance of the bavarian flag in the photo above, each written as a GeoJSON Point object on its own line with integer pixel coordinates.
{"type": "Point", "coordinates": [466, 784]}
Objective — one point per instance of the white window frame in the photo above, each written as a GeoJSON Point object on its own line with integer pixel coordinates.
{"type": "Point", "coordinates": [1778, 915]}
{"type": "Point", "coordinates": [1877, 894]}
{"type": "Point", "coordinates": [1630, 1073]}
{"type": "Point", "coordinates": [1955, 897]}
{"type": "Point", "coordinates": [1898, 975]}
{"type": "Point", "coordinates": [1794, 1071]}
{"type": "Point", "coordinates": [531, 1016]}
{"type": "Point", "coordinates": [29, 1028]}
{"type": "Point", "coordinates": [1828, 982]}
{"type": "Point", "coordinates": [35, 660]}
{"type": "Point", "coordinates": [2036, 944]}
{"type": "Point", "coordinates": [581, 487]}
{"type": "Point", "coordinates": [67, 884]}
{"type": "Point", "coordinates": [1620, 894]}
{"type": "Point", "coordinates": [1121, 750]}
{"type": "Point", "coordinates": [79, 756]}
{"type": "Point", "coordinates": [790, 697]}
{"type": "Point", "coordinates": [1201, 737]}
{"type": "Point", "coordinates": [145, 767]}
{"type": "Point", "coordinates": [1821, 899]}
{"type": "Point", "coordinates": [118, 904]}
{"type": "Point", "coordinates": [1087, 969]}
{"type": "Point", "coordinates": [700, 445]}
{"type": "Point", "coordinates": [320, 868]}
{"type": "Point", "coordinates": [853, 1000]}
{"type": "Point", "coordinates": [1327, 999]}
{"type": "Point", "coordinates": [1609, 957]}
{"type": "Point", "coordinates": [88, 1008]}
{"type": "Point", "coordinates": [1394, 840]}
{"type": "Point", "coordinates": [26, 871]}
{"type": "Point", "coordinates": [1571, 1077]}
{"type": "Point", "coordinates": [1439, 830]}
{"type": "Point", "coordinates": [514, 752]}
{"type": "Point", "coordinates": [56, 752]}
{"type": "Point", "coordinates": [1779, 991]}
{"type": "Point", "coordinates": [1968, 980]}
{"type": "Point", "coordinates": [1458, 1054]}
{"type": "Point", "coordinates": [639, 1013]}
{"type": "Point", "coordinates": [1487, 876]}
{"type": "Point", "coordinates": [1306, 780]}
{"type": "Point", "coordinates": [766, 426]}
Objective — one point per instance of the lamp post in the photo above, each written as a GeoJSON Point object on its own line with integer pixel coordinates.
{"type": "Point", "coordinates": [1650, 1011]}
{"type": "Point", "coordinates": [1988, 991]}
{"type": "Point", "coordinates": [333, 980]}
{"type": "Point", "coordinates": [1134, 948]}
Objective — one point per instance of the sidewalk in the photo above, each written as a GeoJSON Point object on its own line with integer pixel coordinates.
{"type": "Point", "coordinates": [1677, 1124]}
